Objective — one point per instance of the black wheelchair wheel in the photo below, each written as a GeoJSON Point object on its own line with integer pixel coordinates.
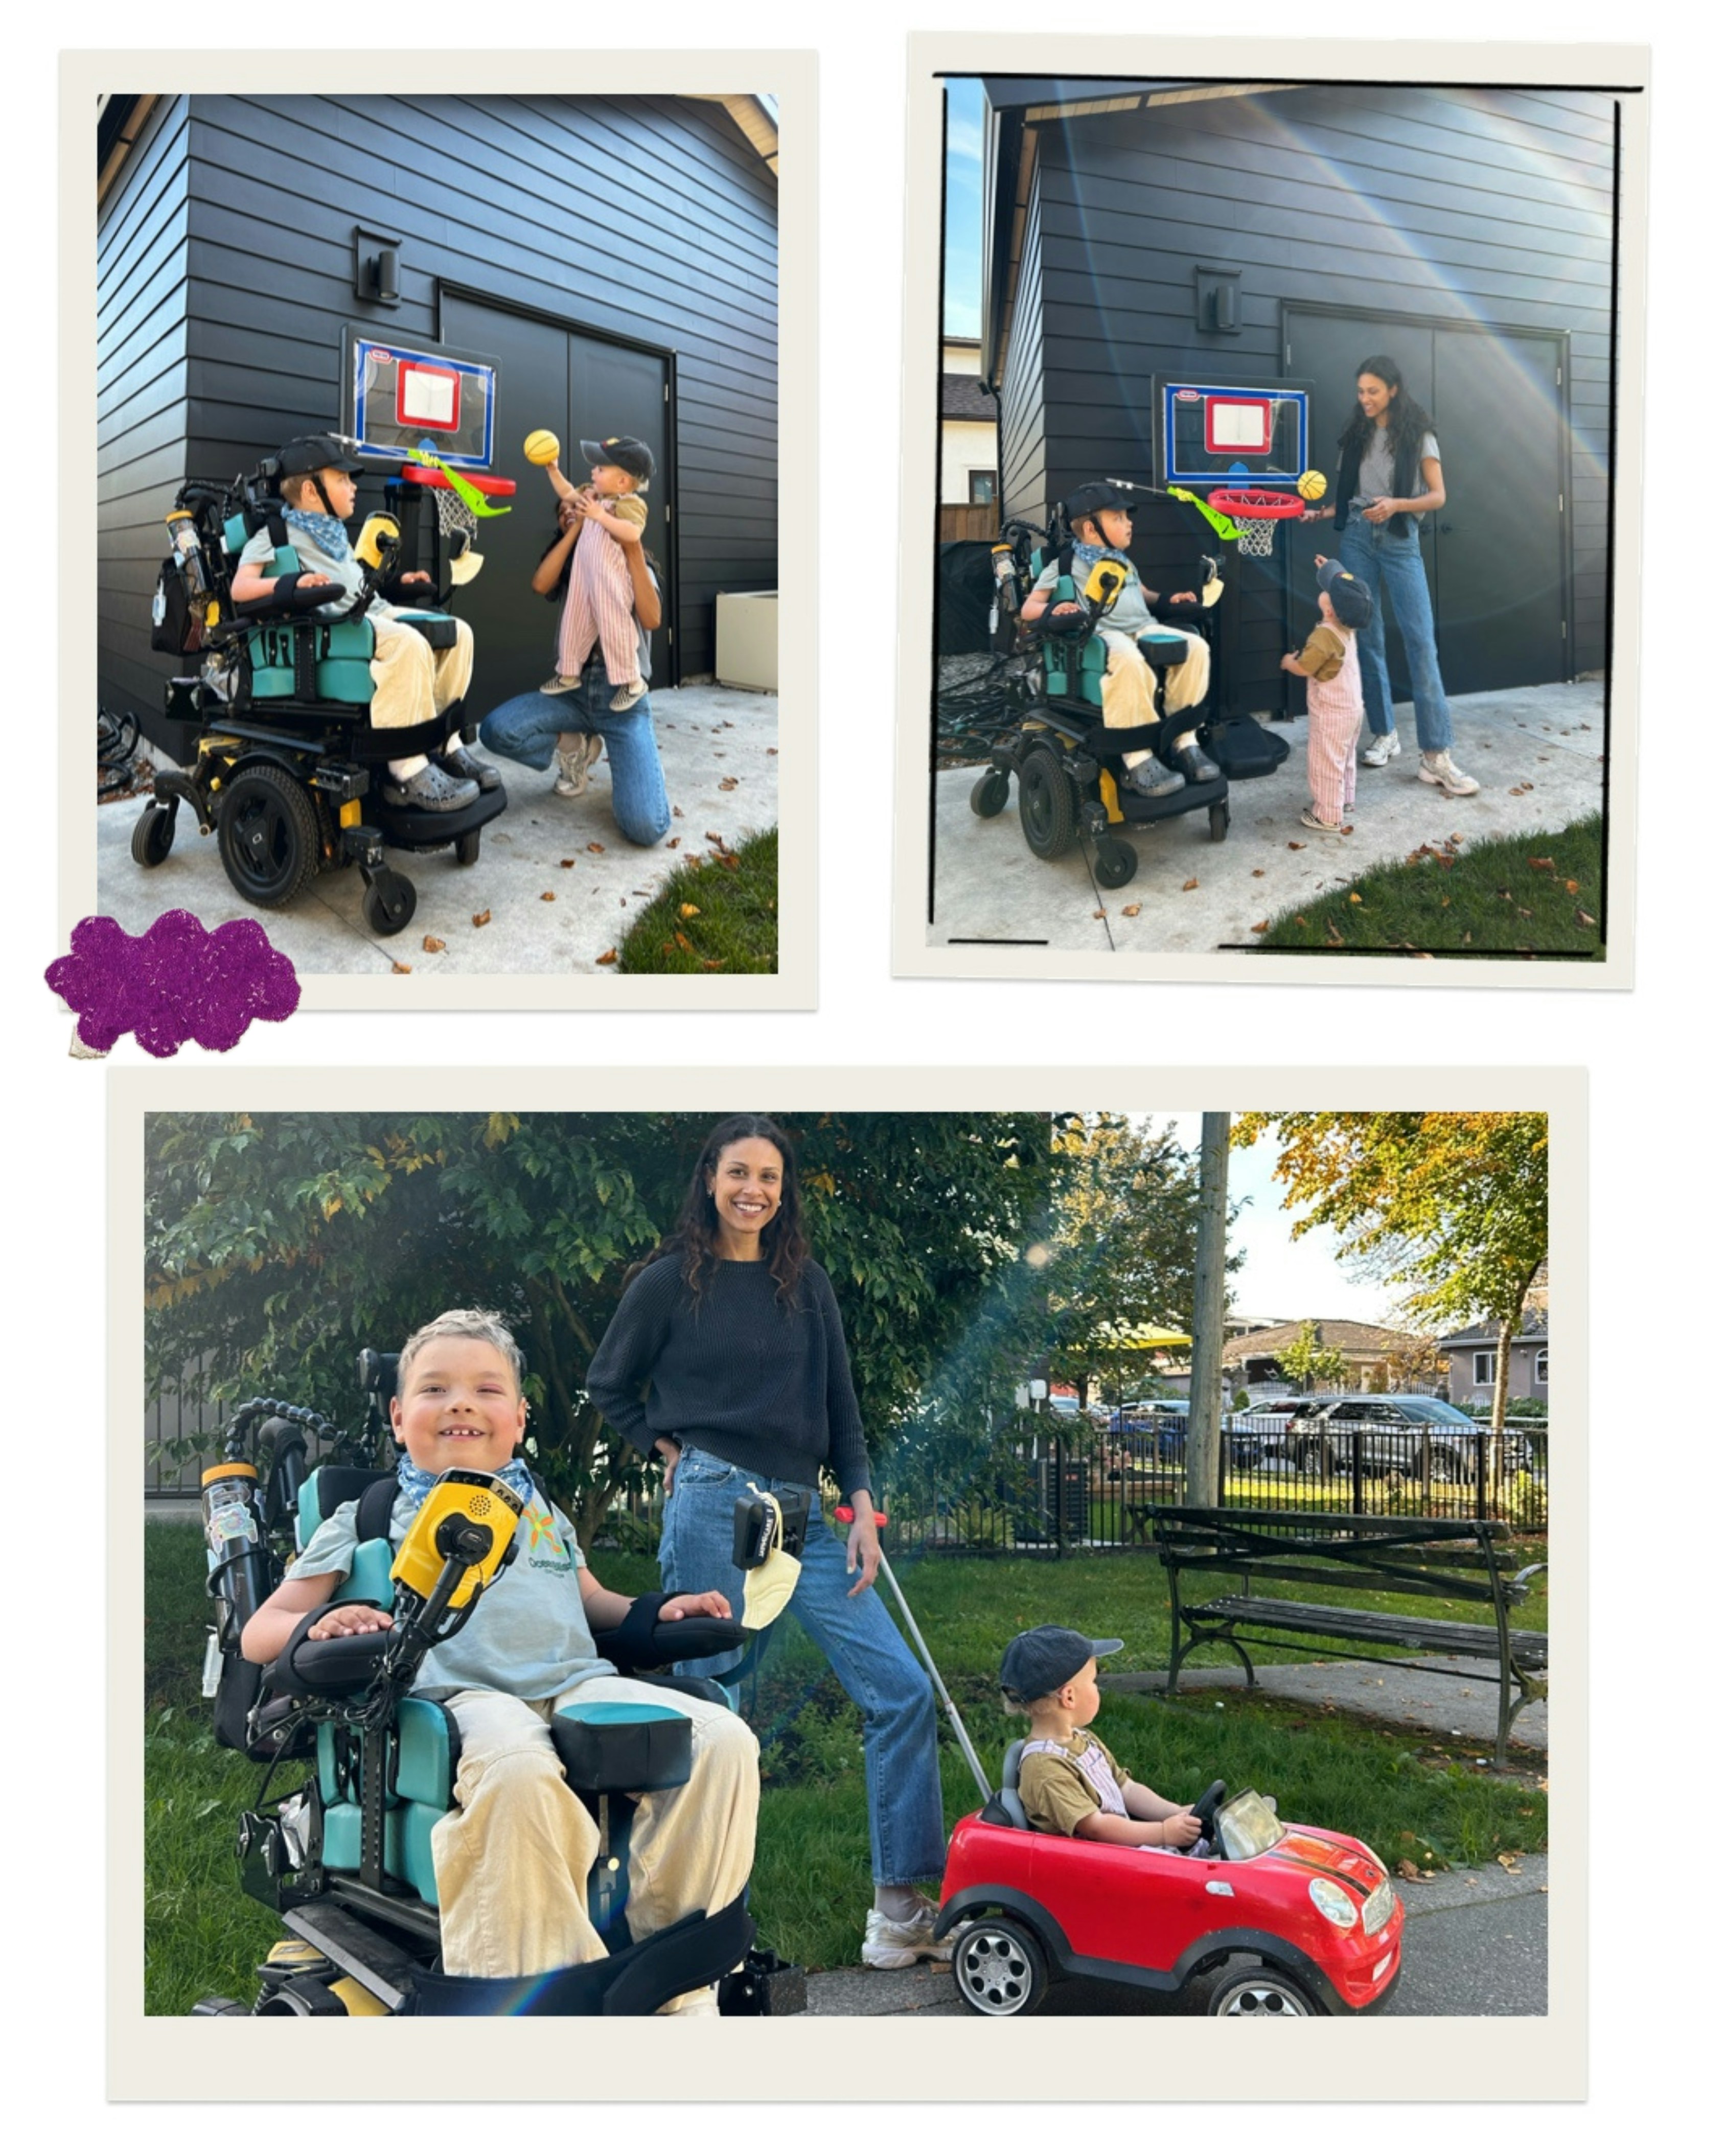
{"type": "Point", "coordinates": [1046, 808]}
{"type": "Point", "coordinates": [988, 797]}
{"type": "Point", "coordinates": [153, 834]}
{"type": "Point", "coordinates": [1218, 820]}
{"type": "Point", "coordinates": [467, 849]}
{"type": "Point", "coordinates": [1116, 864]}
{"type": "Point", "coordinates": [267, 831]}
{"type": "Point", "coordinates": [388, 902]}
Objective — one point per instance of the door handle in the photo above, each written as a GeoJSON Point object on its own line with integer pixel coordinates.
{"type": "Point", "coordinates": [1446, 527]}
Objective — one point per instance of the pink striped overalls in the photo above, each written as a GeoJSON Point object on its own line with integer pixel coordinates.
{"type": "Point", "coordinates": [600, 609]}
{"type": "Point", "coordinates": [1334, 712]}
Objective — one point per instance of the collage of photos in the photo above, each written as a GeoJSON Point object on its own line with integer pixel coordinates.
{"type": "Point", "coordinates": [723, 672]}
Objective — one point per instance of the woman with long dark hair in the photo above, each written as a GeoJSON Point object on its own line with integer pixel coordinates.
{"type": "Point", "coordinates": [726, 1357]}
{"type": "Point", "coordinates": [1391, 476]}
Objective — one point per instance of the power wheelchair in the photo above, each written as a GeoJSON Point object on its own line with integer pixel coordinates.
{"type": "Point", "coordinates": [345, 1856]}
{"type": "Point", "coordinates": [1070, 768]}
{"type": "Point", "coordinates": [273, 728]}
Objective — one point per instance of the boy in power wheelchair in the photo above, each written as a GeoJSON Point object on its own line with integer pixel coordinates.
{"type": "Point", "coordinates": [499, 1683]}
{"type": "Point", "coordinates": [325, 719]}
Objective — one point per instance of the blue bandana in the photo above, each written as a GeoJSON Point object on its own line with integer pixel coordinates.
{"type": "Point", "coordinates": [327, 533]}
{"type": "Point", "coordinates": [1086, 557]}
{"type": "Point", "coordinates": [416, 1481]}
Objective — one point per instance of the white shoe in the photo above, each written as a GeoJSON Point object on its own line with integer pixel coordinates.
{"type": "Point", "coordinates": [1439, 770]}
{"type": "Point", "coordinates": [698, 2004]}
{"type": "Point", "coordinates": [1381, 748]}
{"type": "Point", "coordinates": [890, 1944]}
{"type": "Point", "coordinates": [575, 765]}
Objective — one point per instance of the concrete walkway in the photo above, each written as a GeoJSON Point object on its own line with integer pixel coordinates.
{"type": "Point", "coordinates": [719, 747]}
{"type": "Point", "coordinates": [1537, 753]}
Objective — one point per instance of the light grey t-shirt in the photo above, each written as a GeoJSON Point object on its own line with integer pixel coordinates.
{"type": "Point", "coordinates": [529, 1636]}
{"type": "Point", "coordinates": [1129, 612]}
{"type": "Point", "coordinates": [1377, 468]}
{"type": "Point", "coordinates": [259, 550]}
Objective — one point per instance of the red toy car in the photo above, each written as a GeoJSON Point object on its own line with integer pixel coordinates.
{"type": "Point", "coordinates": [1315, 1910]}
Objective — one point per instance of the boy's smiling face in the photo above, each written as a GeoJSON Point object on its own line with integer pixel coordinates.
{"type": "Point", "coordinates": [458, 1407]}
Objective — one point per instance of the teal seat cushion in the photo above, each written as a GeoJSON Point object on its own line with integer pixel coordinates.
{"type": "Point", "coordinates": [344, 650]}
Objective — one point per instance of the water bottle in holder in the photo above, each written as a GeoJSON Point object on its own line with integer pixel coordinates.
{"type": "Point", "coordinates": [236, 1559]}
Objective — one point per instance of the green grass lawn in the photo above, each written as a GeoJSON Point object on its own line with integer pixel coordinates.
{"type": "Point", "coordinates": [1406, 1795]}
{"type": "Point", "coordinates": [718, 914]}
{"type": "Point", "coordinates": [1536, 895]}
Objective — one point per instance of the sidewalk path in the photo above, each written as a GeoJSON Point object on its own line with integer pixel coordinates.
{"type": "Point", "coordinates": [1547, 742]}
{"type": "Point", "coordinates": [707, 737]}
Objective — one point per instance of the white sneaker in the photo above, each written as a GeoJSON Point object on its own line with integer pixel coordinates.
{"type": "Point", "coordinates": [575, 765]}
{"type": "Point", "coordinates": [1381, 748]}
{"type": "Point", "coordinates": [1439, 770]}
{"type": "Point", "coordinates": [890, 1944]}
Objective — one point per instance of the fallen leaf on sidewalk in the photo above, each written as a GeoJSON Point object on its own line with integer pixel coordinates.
{"type": "Point", "coordinates": [1131, 912]}
{"type": "Point", "coordinates": [1100, 914]}
{"type": "Point", "coordinates": [716, 839]}
{"type": "Point", "coordinates": [1407, 1868]}
{"type": "Point", "coordinates": [1297, 845]}
{"type": "Point", "coordinates": [481, 920]}
{"type": "Point", "coordinates": [1259, 927]}
{"type": "Point", "coordinates": [1190, 884]}
{"type": "Point", "coordinates": [772, 751]}
{"type": "Point", "coordinates": [673, 842]}
{"type": "Point", "coordinates": [433, 943]}
{"type": "Point", "coordinates": [606, 958]}
{"type": "Point", "coordinates": [1507, 1859]}
{"type": "Point", "coordinates": [1257, 871]}
{"type": "Point", "coordinates": [728, 785]}
{"type": "Point", "coordinates": [547, 895]}
{"type": "Point", "coordinates": [397, 967]}
{"type": "Point", "coordinates": [594, 847]}
{"type": "Point", "coordinates": [566, 865]}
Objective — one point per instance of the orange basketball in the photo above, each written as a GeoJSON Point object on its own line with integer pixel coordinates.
{"type": "Point", "coordinates": [541, 446]}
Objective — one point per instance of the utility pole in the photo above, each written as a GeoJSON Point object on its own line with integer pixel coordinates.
{"type": "Point", "coordinates": [1203, 1415]}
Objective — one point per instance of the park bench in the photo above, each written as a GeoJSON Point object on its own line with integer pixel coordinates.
{"type": "Point", "coordinates": [1450, 1560]}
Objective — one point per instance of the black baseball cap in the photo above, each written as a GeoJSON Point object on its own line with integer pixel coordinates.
{"type": "Point", "coordinates": [312, 453]}
{"type": "Point", "coordinates": [624, 451]}
{"type": "Point", "coordinates": [1038, 1662]}
{"type": "Point", "coordinates": [1348, 596]}
{"type": "Point", "coordinates": [1098, 494]}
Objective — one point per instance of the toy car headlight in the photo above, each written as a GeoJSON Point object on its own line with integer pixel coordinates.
{"type": "Point", "coordinates": [1329, 1901]}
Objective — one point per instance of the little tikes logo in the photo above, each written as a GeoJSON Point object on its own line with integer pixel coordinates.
{"type": "Point", "coordinates": [545, 1549]}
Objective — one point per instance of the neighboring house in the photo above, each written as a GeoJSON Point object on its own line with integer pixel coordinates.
{"type": "Point", "coordinates": [1370, 1349]}
{"type": "Point", "coordinates": [617, 257]}
{"type": "Point", "coordinates": [1257, 233]}
{"type": "Point", "coordinates": [1473, 1360]}
{"type": "Point", "coordinates": [970, 450]}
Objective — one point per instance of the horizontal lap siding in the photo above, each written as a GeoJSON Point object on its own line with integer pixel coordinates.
{"type": "Point", "coordinates": [1483, 206]}
{"type": "Point", "coordinates": [648, 219]}
{"type": "Point", "coordinates": [1023, 422]}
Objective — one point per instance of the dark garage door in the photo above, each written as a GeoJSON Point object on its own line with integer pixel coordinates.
{"type": "Point", "coordinates": [550, 374]}
{"type": "Point", "coordinates": [1496, 552]}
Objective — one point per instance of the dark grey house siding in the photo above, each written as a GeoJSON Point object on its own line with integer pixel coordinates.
{"type": "Point", "coordinates": [648, 219]}
{"type": "Point", "coordinates": [1024, 484]}
{"type": "Point", "coordinates": [1462, 207]}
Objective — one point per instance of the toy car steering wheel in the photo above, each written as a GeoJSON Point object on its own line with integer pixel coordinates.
{"type": "Point", "coordinates": [1208, 1805]}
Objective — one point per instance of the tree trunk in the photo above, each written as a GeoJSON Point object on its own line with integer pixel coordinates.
{"type": "Point", "coordinates": [1204, 1408]}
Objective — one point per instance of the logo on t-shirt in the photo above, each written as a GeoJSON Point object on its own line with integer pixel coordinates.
{"type": "Point", "coordinates": [545, 1549]}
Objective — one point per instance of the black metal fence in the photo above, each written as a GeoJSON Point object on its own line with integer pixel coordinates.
{"type": "Point", "coordinates": [1074, 1491]}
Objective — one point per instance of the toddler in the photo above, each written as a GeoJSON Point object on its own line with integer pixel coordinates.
{"type": "Point", "coordinates": [600, 606]}
{"type": "Point", "coordinates": [1335, 702]}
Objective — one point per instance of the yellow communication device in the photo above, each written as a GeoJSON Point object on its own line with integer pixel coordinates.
{"type": "Point", "coordinates": [466, 1515]}
{"type": "Point", "coordinates": [1105, 582]}
{"type": "Point", "coordinates": [379, 539]}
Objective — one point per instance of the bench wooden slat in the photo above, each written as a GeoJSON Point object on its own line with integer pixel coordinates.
{"type": "Point", "coordinates": [1431, 1633]}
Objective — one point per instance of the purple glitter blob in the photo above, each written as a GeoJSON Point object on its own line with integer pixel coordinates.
{"type": "Point", "coordinates": [177, 981]}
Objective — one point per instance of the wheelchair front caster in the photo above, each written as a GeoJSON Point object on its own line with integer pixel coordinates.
{"type": "Point", "coordinates": [388, 903]}
{"type": "Point", "coordinates": [988, 797]}
{"type": "Point", "coordinates": [1116, 864]}
{"type": "Point", "coordinates": [467, 848]}
{"type": "Point", "coordinates": [1218, 821]}
{"type": "Point", "coordinates": [153, 834]}
{"type": "Point", "coordinates": [222, 2006]}
{"type": "Point", "coordinates": [1046, 810]}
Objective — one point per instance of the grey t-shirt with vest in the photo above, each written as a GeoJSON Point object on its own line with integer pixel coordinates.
{"type": "Point", "coordinates": [1377, 468]}
{"type": "Point", "coordinates": [529, 1636]}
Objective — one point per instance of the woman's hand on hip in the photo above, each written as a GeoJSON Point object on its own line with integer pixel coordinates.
{"type": "Point", "coordinates": [670, 1452]}
{"type": "Point", "coordinates": [862, 1546]}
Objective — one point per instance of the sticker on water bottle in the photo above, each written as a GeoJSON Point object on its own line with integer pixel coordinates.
{"type": "Point", "coordinates": [232, 1523]}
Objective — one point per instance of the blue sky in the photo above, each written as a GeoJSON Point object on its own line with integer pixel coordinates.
{"type": "Point", "coordinates": [962, 311]}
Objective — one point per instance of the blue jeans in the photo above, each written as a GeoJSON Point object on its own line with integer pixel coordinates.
{"type": "Point", "coordinates": [907, 1838]}
{"type": "Point", "coordinates": [1386, 564]}
{"type": "Point", "coordinates": [526, 731]}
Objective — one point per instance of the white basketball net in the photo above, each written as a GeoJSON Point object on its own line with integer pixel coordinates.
{"type": "Point", "coordinates": [1257, 535]}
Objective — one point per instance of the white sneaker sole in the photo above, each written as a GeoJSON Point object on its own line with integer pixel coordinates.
{"type": "Point", "coordinates": [1449, 785]}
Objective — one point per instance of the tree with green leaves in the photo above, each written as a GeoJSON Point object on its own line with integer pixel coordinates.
{"type": "Point", "coordinates": [1452, 1207]}
{"type": "Point", "coordinates": [1308, 1361]}
{"type": "Point", "coordinates": [278, 1244]}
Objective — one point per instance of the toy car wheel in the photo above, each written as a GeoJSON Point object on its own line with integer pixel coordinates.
{"type": "Point", "coordinates": [152, 834]}
{"type": "Point", "coordinates": [467, 848]}
{"type": "Point", "coordinates": [999, 1968]}
{"type": "Point", "coordinates": [267, 830]}
{"type": "Point", "coordinates": [388, 903]}
{"type": "Point", "coordinates": [1116, 864]}
{"type": "Point", "coordinates": [988, 797]}
{"type": "Point", "coordinates": [1261, 1991]}
{"type": "Point", "coordinates": [1218, 821]}
{"type": "Point", "coordinates": [1045, 805]}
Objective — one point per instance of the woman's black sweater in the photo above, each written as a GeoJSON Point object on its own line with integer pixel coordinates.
{"type": "Point", "coordinates": [762, 1384]}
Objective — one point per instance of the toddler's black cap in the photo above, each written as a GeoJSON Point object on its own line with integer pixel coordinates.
{"type": "Point", "coordinates": [1038, 1662]}
{"type": "Point", "coordinates": [624, 451]}
{"type": "Point", "coordinates": [1348, 596]}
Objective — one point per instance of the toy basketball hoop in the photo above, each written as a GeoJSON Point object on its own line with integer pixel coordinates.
{"type": "Point", "coordinates": [1255, 516]}
{"type": "Point", "coordinates": [453, 513]}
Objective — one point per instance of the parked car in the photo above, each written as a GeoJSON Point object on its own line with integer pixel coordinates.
{"type": "Point", "coordinates": [1406, 1434]}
